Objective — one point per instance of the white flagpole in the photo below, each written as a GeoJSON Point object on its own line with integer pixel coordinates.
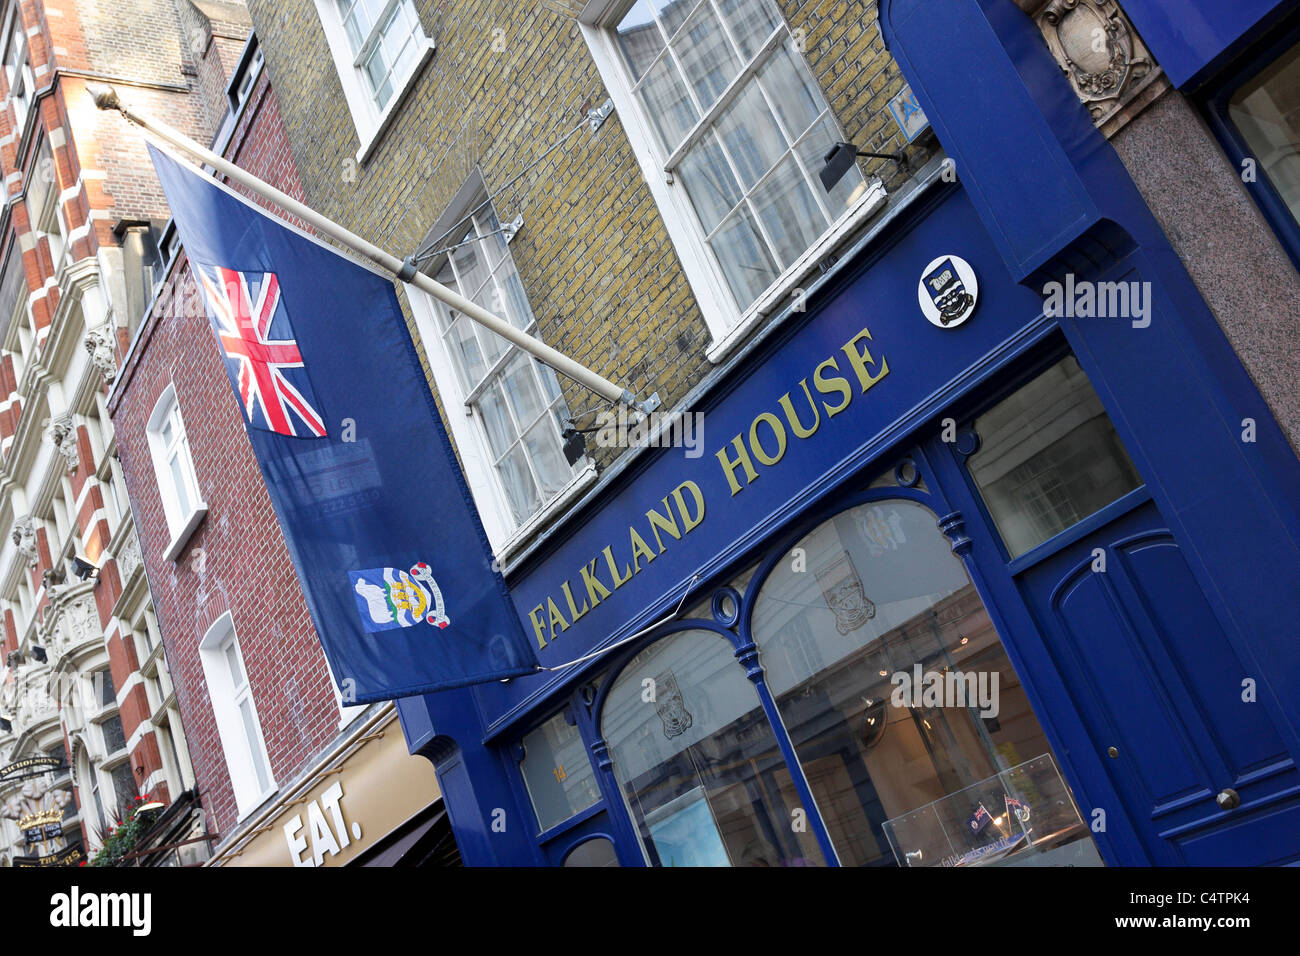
{"type": "Point", "coordinates": [106, 98]}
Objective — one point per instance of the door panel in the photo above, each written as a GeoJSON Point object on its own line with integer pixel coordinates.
{"type": "Point", "coordinates": [1153, 675]}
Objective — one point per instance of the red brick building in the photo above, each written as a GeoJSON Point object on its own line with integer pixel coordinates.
{"type": "Point", "coordinates": [85, 682]}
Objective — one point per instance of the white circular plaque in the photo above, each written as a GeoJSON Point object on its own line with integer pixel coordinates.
{"type": "Point", "coordinates": [948, 291]}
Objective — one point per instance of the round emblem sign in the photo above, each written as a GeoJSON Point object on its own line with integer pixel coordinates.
{"type": "Point", "coordinates": [948, 291]}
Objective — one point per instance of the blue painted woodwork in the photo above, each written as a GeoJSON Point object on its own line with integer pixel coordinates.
{"type": "Point", "coordinates": [1204, 581]}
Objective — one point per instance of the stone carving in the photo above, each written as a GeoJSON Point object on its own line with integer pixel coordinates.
{"type": "Point", "coordinates": [1097, 48]}
{"type": "Point", "coordinates": [63, 436]}
{"type": "Point", "coordinates": [128, 558]}
{"type": "Point", "coordinates": [24, 536]}
{"type": "Point", "coordinates": [101, 343]}
{"type": "Point", "coordinates": [81, 622]}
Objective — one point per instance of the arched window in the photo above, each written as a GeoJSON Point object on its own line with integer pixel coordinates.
{"type": "Point", "coordinates": [697, 762]}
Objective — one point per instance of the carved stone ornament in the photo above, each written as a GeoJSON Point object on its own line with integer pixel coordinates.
{"type": "Point", "coordinates": [63, 436]}
{"type": "Point", "coordinates": [1099, 51]}
{"type": "Point", "coordinates": [101, 343]}
{"type": "Point", "coordinates": [129, 558]}
{"type": "Point", "coordinates": [24, 537]}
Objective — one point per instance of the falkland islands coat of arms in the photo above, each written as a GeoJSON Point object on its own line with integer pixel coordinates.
{"type": "Point", "coordinates": [389, 598]}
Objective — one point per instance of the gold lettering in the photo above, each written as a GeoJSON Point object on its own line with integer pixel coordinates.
{"type": "Point", "coordinates": [659, 523]}
{"type": "Point", "coordinates": [556, 616]}
{"type": "Point", "coordinates": [537, 627]}
{"type": "Point", "coordinates": [777, 429]}
{"type": "Point", "coordinates": [729, 466]}
{"type": "Point", "coordinates": [792, 417]}
{"type": "Point", "coordinates": [639, 548]}
{"type": "Point", "coordinates": [689, 523]}
{"type": "Point", "coordinates": [832, 384]}
{"type": "Point", "coordinates": [574, 613]}
{"type": "Point", "coordinates": [613, 569]}
{"type": "Point", "coordinates": [861, 361]}
{"type": "Point", "coordinates": [593, 583]}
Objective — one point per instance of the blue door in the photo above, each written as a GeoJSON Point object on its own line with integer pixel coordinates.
{"type": "Point", "coordinates": [1165, 703]}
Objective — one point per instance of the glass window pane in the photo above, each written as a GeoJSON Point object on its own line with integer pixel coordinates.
{"type": "Point", "coordinates": [114, 737]}
{"type": "Point", "coordinates": [812, 149]}
{"type": "Point", "coordinates": [709, 181]}
{"type": "Point", "coordinates": [673, 13]}
{"type": "Point", "coordinates": [639, 39]}
{"type": "Point", "coordinates": [743, 255]}
{"type": "Point", "coordinates": [595, 852]}
{"type": "Point", "coordinates": [501, 432]}
{"type": "Point", "coordinates": [750, 21]}
{"type": "Point", "coordinates": [1266, 111]}
{"type": "Point", "coordinates": [1048, 458]}
{"type": "Point", "coordinates": [254, 739]}
{"type": "Point", "coordinates": [880, 596]}
{"type": "Point", "coordinates": [231, 654]}
{"type": "Point", "coordinates": [519, 484]}
{"type": "Point", "coordinates": [667, 104]}
{"type": "Point", "coordinates": [753, 140]}
{"type": "Point", "coordinates": [465, 349]}
{"type": "Point", "coordinates": [181, 485]}
{"type": "Point", "coordinates": [557, 771]}
{"type": "Point", "coordinates": [521, 390]}
{"type": "Point", "coordinates": [124, 789]}
{"type": "Point", "coordinates": [543, 445]}
{"type": "Point", "coordinates": [470, 264]}
{"type": "Point", "coordinates": [792, 90]}
{"type": "Point", "coordinates": [697, 761]}
{"type": "Point", "coordinates": [706, 56]}
{"type": "Point", "coordinates": [789, 211]}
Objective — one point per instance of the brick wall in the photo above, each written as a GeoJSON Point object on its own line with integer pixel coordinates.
{"type": "Point", "coordinates": [601, 274]}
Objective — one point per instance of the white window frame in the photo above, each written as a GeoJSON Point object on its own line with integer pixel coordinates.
{"type": "Point", "coordinates": [226, 699]}
{"type": "Point", "coordinates": [13, 28]}
{"type": "Point", "coordinates": [370, 121]}
{"type": "Point", "coordinates": [728, 325]}
{"type": "Point", "coordinates": [467, 427]}
{"type": "Point", "coordinates": [181, 525]}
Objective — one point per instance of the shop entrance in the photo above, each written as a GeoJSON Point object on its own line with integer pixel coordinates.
{"type": "Point", "coordinates": [1165, 702]}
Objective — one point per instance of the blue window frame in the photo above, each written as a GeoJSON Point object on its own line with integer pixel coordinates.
{"type": "Point", "coordinates": [1265, 82]}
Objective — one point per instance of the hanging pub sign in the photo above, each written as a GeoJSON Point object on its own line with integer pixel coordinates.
{"type": "Point", "coordinates": [31, 765]}
{"type": "Point", "coordinates": [42, 825]}
{"type": "Point", "coordinates": [69, 856]}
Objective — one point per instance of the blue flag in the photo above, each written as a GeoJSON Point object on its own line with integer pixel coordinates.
{"type": "Point", "coordinates": [385, 541]}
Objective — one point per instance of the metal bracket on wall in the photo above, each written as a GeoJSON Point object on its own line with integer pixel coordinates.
{"type": "Point", "coordinates": [597, 115]}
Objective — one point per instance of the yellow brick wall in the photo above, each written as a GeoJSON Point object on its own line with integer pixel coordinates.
{"type": "Point", "coordinates": [595, 259]}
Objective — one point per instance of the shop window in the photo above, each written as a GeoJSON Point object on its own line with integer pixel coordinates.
{"type": "Point", "coordinates": [717, 98]}
{"type": "Point", "coordinates": [697, 761]}
{"type": "Point", "coordinates": [877, 593]}
{"type": "Point", "coordinates": [233, 706]}
{"type": "Point", "coordinates": [378, 47]}
{"type": "Point", "coordinates": [510, 443]}
{"type": "Point", "coordinates": [557, 772]}
{"type": "Point", "coordinates": [174, 468]}
{"type": "Point", "coordinates": [1048, 458]}
{"type": "Point", "coordinates": [1257, 114]}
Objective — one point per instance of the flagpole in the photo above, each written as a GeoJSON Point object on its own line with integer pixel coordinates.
{"type": "Point", "coordinates": [106, 98]}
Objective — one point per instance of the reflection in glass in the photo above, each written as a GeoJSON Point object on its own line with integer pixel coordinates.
{"type": "Point", "coordinates": [1266, 111]}
{"type": "Point", "coordinates": [557, 772]}
{"type": "Point", "coordinates": [697, 762]}
{"type": "Point", "coordinates": [1048, 458]}
{"type": "Point", "coordinates": [876, 592]}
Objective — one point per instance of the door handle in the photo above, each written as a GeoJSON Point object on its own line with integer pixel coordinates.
{"type": "Point", "coordinates": [1228, 799]}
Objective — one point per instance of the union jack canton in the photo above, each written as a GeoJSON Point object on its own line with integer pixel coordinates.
{"type": "Point", "coordinates": [261, 352]}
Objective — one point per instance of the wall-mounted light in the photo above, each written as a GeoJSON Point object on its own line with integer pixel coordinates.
{"type": "Point", "coordinates": [39, 655]}
{"type": "Point", "coordinates": [83, 568]}
{"type": "Point", "coordinates": [575, 446]}
{"type": "Point", "coordinates": [839, 160]}
{"type": "Point", "coordinates": [6, 725]}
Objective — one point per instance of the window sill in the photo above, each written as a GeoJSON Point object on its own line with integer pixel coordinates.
{"type": "Point", "coordinates": [579, 483]}
{"type": "Point", "coordinates": [186, 532]}
{"type": "Point", "coordinates": [873, 200]}
{"type": "Point", "coordinates": [371, 139]}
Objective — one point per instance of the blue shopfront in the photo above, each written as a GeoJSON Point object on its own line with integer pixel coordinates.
{"type": "Point", "coordinates": [961, 575]}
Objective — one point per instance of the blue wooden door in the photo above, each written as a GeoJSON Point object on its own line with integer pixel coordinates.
{"type": "Point", "coordinates": [1204, 776]}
